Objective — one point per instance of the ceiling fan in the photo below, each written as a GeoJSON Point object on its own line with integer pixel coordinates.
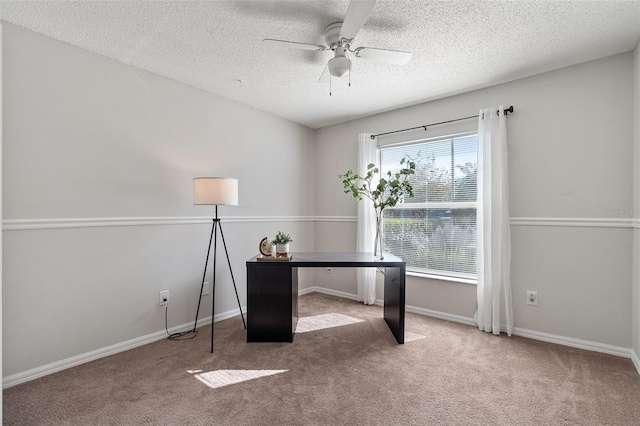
{"type": "Point", "coordinates": [339, 36]}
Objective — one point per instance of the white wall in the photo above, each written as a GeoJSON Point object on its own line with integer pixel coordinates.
{"type": "Point", "coordinates": [86, 137]}
{"type": "Point", "coordinates": [571, 147]}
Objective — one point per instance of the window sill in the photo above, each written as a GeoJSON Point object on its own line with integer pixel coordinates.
{"type": "Point", "coordinates": [443, 278]}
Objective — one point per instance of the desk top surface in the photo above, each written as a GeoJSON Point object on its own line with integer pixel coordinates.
{"type": "Point", "coordinates": [333, 259]}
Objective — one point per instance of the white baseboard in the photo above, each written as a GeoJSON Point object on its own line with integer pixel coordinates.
{"type": "Point", "coordinates": [34, 373]}
{"type": "Point", "coordinates": [530, 334]}
{"type": "Point", "coordinates": [573, 342]}
{"type": "Point", "coordinates": [379, 302]}
{"type": "Point", "coordinates": [329, 292]}
{"type": "Point", "coordinates": [25, 376]}
{"type": "Point", "coordinates": [440, 315]}
{"type": "Point", "coordinates": [307, 290]}
{"type": "Point", "coordinates": [636, 360]}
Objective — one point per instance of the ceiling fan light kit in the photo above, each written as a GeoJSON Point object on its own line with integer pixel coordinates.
{"type": "Point", "coordinates": [340, 65]}
{"type": "Point", "coordinates": [339, 36]}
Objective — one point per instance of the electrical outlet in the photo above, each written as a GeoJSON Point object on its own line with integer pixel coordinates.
{"type": "Point", "coordinates": [532, 298]}
{"type": "Point", "coordinates": [164, 297]}
{"type": "Point", "coordinates": [205, 289]}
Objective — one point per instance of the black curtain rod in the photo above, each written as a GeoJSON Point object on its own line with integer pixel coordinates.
{"type": "Point", "coordinates": [506, 112]}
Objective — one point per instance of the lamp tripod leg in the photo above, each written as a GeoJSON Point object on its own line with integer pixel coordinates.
{"type": "Point", "coordinates": [214, 238]}
{"type": "Point", "coordinates": [204, 275]}
{"type": "Point", "coordinates": [216, 223]}
{"type": "Point", "coordinates": [232, 278]}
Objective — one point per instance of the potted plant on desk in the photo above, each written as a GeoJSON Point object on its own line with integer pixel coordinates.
{"type": "Point", "coordinates": [281, 241]}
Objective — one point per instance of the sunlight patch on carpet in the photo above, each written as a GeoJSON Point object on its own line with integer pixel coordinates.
{"type": "Point", "coordinates": [410, 336]}
{"type": "Point", "coordinates": [220, 378]}
{"type": "Point", "coordinates": [319, 322]}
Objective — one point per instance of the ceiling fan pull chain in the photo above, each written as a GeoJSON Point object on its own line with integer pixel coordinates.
{"type": "Point", "coordinates": [349, 73]}
{"type": "Point", "coordinates": [329, 84]}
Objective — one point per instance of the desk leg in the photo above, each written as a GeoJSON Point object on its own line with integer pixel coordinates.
{"type": "Point", "coordinates": [272, 303]}
{"type": "Point", "coordinates": [394, 300]}
{"type": "Point", "coordinates": [294, 301]}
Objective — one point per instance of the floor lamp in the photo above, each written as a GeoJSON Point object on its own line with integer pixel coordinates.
{"type": "Point", "coordinates": [216, 191]}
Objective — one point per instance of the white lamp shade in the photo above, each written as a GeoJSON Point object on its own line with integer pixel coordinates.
{"type": "Point", "coordinates": [215, 191]}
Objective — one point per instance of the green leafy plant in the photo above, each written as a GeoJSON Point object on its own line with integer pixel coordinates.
{"type": "Point", "coordinates": [387, 192]}
{"type": "Point", "coordinates": [282, 239]}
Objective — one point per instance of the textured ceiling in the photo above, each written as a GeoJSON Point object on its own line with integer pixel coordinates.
{"type": "Point", "coordinates": [457, 46]}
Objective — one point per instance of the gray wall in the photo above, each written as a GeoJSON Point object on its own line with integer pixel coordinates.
{"type": "Point", "coordinates": [1, 144]}
{"type": "Point", "coordinates": [97, 168]}
{"type": "Point", "coordinates": [570, 158]}
{"type": "Point", "coordinates": [636, 208]}
{"type": "Point", "coordinates": [89, 141]}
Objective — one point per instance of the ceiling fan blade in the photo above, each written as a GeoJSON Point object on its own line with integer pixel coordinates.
{"type": "Point", "coordinates": [384, 55]}
{"type": "Point", "coordinates": [324, 78]}
{"type": "Point", "coordinates": [357, 14]}
{"type": "Point", "coordinates": [292, 44]}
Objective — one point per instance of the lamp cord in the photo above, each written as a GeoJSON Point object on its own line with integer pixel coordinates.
{"type": "Point", "coordinates": [179, 335]}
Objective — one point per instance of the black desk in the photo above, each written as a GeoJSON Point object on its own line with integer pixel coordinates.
{"type": "Point", "coordinates": [272, 292]}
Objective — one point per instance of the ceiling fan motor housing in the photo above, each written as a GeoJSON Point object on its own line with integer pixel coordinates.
{"type": "Point", "coordinates": [332, 34]}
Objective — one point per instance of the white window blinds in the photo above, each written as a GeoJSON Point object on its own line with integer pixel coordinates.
{"type": "Point", "coordinates": [435, 230]}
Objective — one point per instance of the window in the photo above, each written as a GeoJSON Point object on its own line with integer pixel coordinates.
{"type": "Point", "coordinates": [435, 230]}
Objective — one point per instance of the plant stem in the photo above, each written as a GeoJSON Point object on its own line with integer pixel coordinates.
{"type": "Point", "coordinates": [378, 239]}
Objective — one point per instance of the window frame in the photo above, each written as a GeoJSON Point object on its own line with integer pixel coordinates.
{"type": "Point", "coordinates": [450, 205]}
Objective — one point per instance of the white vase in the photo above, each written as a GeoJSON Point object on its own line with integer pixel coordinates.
{"type": "Point", "coordinates": [282, 250]}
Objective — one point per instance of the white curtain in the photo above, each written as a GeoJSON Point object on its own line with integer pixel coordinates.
{"type": "Point", "coordinates": [494, 240]}
{"type": "Point", "coordinates": [366, 277]}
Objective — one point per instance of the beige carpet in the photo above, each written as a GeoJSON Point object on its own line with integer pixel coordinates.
{"type": "Point", "coordinates": [352, 374]}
